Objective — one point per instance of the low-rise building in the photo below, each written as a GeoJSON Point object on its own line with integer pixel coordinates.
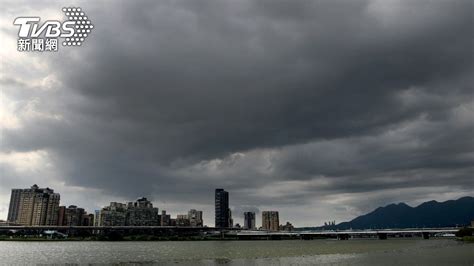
{"type": "Point", "coordinates": [182, 220]}
{"type": "Point", "coordinates": [165, 219]}
{"type": "Point", "coordinates": [73, 216]}
{"type": "Point", "coordinates": [88, 219]}
{"type": "Point", "coordinates": [287, 227]}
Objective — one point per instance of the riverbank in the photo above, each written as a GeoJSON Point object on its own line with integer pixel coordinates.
{"type": "Point", "coordinates": [194, 238]}
{"type": "Point", "coordinates": [469, 239]}
{"type": "Point", "coordinates": [118, 238]}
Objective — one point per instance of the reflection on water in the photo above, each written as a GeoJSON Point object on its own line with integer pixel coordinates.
{"type": "Point", "coordinates": [294, 252]}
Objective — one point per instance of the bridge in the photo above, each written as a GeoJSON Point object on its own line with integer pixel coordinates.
{"type": "Point", "coordinates": [65, 227]}
{"type": "Point", "coordinates": [236, 233]}
{"type": "Point", "coordinates": [346, 234]}
{"type": "Point", "coordinates": [165, 231]}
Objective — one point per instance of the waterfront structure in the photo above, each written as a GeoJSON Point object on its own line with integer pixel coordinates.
{"type": "Point", "coordinates": [113, 215]}
{"type": "Point", "coordinates": [142, 213]}
{"type": "Point", "coordinates": [195, 218]}
{"type": "Point", "coordinates": [270, 221]}
{"type": "Point", "coordinates": [222, 219]}
{"type": "Point", "coordinates": [34, 206]}
{"type": "Point", "coordinates": [249, 220]}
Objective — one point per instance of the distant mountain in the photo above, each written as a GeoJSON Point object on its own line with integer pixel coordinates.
{"type": "Point", "coordinates": [429, 214]}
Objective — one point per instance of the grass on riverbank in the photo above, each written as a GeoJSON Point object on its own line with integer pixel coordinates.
{"type": "Point", "coordinates": [469, 239]}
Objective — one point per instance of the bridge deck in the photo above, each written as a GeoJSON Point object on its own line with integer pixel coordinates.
{"type": "Point", "coordinates": [239, 231]}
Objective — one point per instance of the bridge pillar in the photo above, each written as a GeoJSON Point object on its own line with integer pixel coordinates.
{"type": "Point", "coordinates": [343, 236]}
{"type": "Point", "coordinates": [382, 236]}
{"type": "Point", "coordinates": [426, 235]}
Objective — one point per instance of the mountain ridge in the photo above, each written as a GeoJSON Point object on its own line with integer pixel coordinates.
{"type": "Point", "coordinates": [450, 213]}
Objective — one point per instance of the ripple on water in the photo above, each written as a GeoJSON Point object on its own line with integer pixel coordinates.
{"type": "Point", "coordinates": [353, 252]}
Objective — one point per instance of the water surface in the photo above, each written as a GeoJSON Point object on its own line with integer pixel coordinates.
{"type": "Point", "coordinates": [284, 252]}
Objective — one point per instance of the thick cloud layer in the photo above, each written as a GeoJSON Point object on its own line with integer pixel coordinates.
{"type": "Point", "coordinates": [322, 110]}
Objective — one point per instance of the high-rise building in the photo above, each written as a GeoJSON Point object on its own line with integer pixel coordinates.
{"type": "Point", "coordinates": [97, 218]}
{"type": "Point", "coordinates": [73, 216]}
{"type": "Point", "coordinates": [61, 215]}
{"type": "Point", "coordinates": [195, 218]}
{"type": "Point", "coordinates": [113, 215]}
{"type": "Point", "coordinates": [270, 220]}
{"type": "Point", "coordinates": [249, 220]}
{"type": "Point", "coordinates": [142, 213]}
{"type": "Point", "coordinates": [14, 205]}
{"type": "Point", "coordinates": [222, 208]}
{"type": "Point", "coordinates": [34, 206]}
{"type": "Point", "coordinates": [138, 213]}
{"type": "Point", "coordinates": [231, 221]}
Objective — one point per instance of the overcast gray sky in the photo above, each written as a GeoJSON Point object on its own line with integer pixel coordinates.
{"type": "Point", "coordinates": [322, 110]}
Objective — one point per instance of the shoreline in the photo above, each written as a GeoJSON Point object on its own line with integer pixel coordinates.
{"type": "Point", "coordinates": [178, 239]}
{"type": "Point", "coordinates": [397, 251]}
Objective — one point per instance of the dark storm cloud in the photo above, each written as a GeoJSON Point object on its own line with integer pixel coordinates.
{"type": "Point", "coordinates": [174, 98]}
{"type": "Point", "coordinates": [203, 82]}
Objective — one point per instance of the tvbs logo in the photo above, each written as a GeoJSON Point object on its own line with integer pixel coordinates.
{"type": "Point", "coordinates": [36, 37]}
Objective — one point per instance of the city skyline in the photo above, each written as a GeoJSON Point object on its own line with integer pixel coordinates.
{"type": "Point", "coordinates": [36, 206]}
{"type": "Point", "coordinates": [239, 218]}
{"type": "Point", "coordinates": [322, 110]}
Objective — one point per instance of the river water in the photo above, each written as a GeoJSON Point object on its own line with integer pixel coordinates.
{"type": "Point", "coordinates": [283, 252]}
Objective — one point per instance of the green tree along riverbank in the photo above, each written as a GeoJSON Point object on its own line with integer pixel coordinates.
{"type": "Point", "coordinates": [466, 234]}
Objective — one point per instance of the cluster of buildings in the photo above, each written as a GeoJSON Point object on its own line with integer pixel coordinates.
{"type": "Point", "coordinates": [142, 213]}
{"type": "Point", "coordinates": [270, 219]}
{"type": "Point", "coordinates": [36, 206]}
{"type": "Point", "coordinates": [40, 206]}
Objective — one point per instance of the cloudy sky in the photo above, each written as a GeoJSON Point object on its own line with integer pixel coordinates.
{"type": "Point", "coordinates": [322, 110]}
